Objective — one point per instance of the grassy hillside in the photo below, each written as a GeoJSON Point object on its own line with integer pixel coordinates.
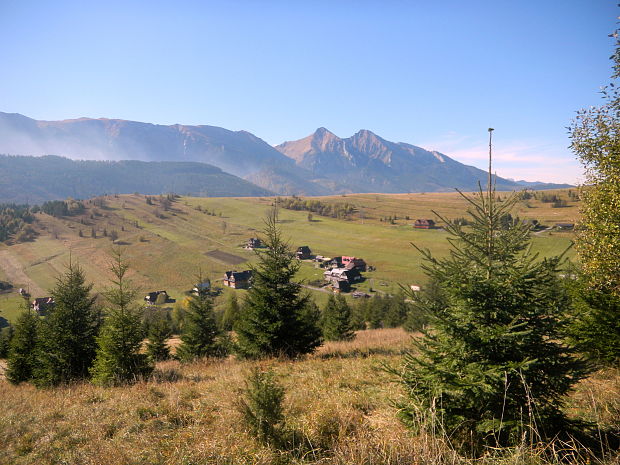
{"type": "Point", "coordinates": [166, 249]}
{"type": "Point", "coordinates": [337, 400]}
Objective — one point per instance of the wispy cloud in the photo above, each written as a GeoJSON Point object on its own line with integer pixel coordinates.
{"type": "Point", "coordinates": [528, 160]}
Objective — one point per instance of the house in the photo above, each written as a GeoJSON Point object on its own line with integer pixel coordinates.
{"type": "Point", "coordinates": [424, 224]}
{"type": "Point", "coordinates": [303, 253]}
{"type": "Point", "coordinates": [564, 226]}
{"type": "Point", "coordinates": [340, 286]}
{"type": "Point", "coordinates": [354, 263]}
{"type": "Point", "coordinates": [238, 279]}
{"type": "Point", "coordinates": [253, 243]}
{"type": "Point", "coordinates": [336, 262]}
{"type": "Point", "coordinates": [42, 305]}
{"type": "Point", "coordinates": [342, 274]}
{"type": "Point", "coordinates": [152, 297]}
{"type": "Point", "coordinates": [204, 286]}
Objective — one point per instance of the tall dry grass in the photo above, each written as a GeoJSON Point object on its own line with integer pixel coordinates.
{"type": "Point", "coordinates": [337, 402]}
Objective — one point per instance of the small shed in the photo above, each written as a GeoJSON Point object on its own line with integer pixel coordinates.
{"type": "Point", "coordinates": [253, 243]}
{"type": "Point", "coordinates": [152, 297]}
{"type": "Point", "coordinates": [303, 252]}
{"type": "Point", "coordinates": [424, 224]}
{"type": "Point", "coordinates": [42, 305]}
{"type": "Point", "coordinates": [204, 286]}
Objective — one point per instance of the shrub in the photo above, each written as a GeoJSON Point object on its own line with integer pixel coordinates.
{"type": "Point", "coordinates": [261, 407]}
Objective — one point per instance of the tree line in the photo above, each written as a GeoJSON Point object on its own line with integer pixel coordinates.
{"type": "Point", "coordinates": [333, 210]}
{"type": "Point", "coordinates": [16, 222]}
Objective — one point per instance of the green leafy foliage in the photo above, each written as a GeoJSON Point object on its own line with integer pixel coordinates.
{"type": "Point", "coordinates": [119, 358]}
{"type": "Point", "coordinates": [336, 320]}
{"type": "Point", "coordinates": [595, 139]}
{"type": "Point", "coordinates": [492, 365]}
{"type": "Point", "coordinates": [276, 320]}
{"type": "Point", "coordinates": [67, 341]}
{"type": "Point", "coordinates": [22, 349]}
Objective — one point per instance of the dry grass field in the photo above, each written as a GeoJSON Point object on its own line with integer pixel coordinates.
{"type": "Point", "coordinates": [338, 401]}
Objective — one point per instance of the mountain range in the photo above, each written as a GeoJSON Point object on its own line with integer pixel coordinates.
{"type": "Point", "coordinates": [319, 164]}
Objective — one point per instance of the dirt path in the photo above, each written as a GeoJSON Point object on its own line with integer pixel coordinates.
{"type": "Point", "coordinates": [15, 273]}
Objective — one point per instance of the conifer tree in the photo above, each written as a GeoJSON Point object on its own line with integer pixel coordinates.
{"type": "Point", "coordinates": [492, 366]}
{"type": "Point", "coordinates": [336, 320]}
{"type": "Point", "coordinates": [159, 333]}
{"type": "Point", "coordinates": [200, 331]}
{"type": "Point", "coordinates": [119, 358]}
{"type": "Point", "coordinates": [22, 349]}
{"type": "Point", "coordinates": [6, 334]}
{"type": "Point", "coordinates": [67, 342]}
{"type": "Point", "coordinates": [396, 312]}
{"type": "Point", "coordinates": [275, 319]}
{"type": "Point", "coordinates": [231, 313]}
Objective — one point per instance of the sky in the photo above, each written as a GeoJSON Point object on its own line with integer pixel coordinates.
{"type": "Point", "coordinates": [435, 74]}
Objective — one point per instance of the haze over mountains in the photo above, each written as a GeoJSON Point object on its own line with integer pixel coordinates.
{"type": "Point", "coordinates": [319, 164]}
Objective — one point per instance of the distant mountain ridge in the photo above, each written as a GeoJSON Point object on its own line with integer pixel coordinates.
{"type": "Point", "coordinates": [237, 152]}
{"type": "Point", "coordinates": [366, 162]}
{"type": "Point", "coordinates": [36, 179]}
{"type": "Point", "coordinates": [320, 164]}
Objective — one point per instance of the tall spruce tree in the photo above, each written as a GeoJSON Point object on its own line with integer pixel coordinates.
{"type": "Point", "coordinates": [336, 320]}
{"type": "Point", "coordinates": [200, 331]}
{"type": "Point", "coordinates": [67, 342]}
{"type": "Point", "coordinates": [276, 320]}
{"type": "Point", "coordinates": [22, 348]}
{"type": "Point", "coordinates": [492, 366]}
{"type": "Point", "coordinates": [119, 358]}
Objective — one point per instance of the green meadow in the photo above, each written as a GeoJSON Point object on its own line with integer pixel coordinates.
{"type": "Point", "coordinates": [167, 249]}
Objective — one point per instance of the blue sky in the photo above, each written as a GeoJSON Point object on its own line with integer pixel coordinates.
{"type": "Point", "coordinates": [434, 74]}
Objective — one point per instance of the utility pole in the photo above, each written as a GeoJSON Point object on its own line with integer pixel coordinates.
{"type": "Point", "coordinates": [490, 208]}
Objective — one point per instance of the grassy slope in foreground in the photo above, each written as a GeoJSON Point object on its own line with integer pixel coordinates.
{"type": "Point", "coordinates": [337, 399]}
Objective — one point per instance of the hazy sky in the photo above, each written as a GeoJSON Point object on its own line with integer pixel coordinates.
{"type": "Point", "coordinates": [431, 73]}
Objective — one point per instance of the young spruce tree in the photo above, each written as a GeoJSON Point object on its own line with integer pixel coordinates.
{"type": "Point", "coordinates": [276, 320]}
{"type": "Point", "coordinates": [200, 331]}
{"type": "Point", "coordinates": [22, 348]}
{"type": "Point", "coordinates": [492, 367]}
{"type": "Point", "coordinates": [67, 342]}
{"type": "Point", "coordinates": [159, 332]}
{"type": "Point", "coordinates": [336, 320]}
{"type": "Point", "coordinates": [119, 358]}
